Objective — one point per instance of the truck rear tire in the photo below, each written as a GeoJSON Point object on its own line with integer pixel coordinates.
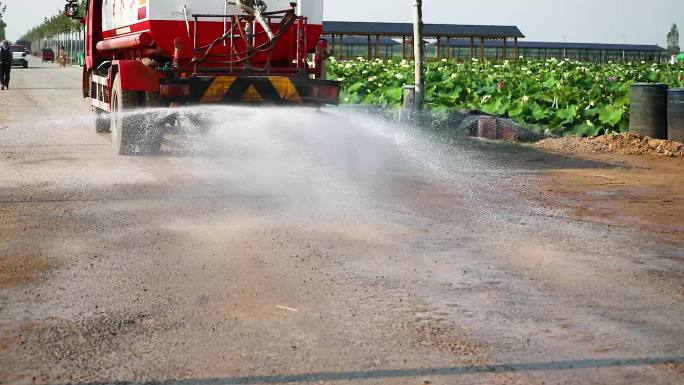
{"type": "Point", "coordinates": [131, 132]}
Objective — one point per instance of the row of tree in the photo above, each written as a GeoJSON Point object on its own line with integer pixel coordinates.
{"type": "Point", "coordinates": [61, 24]}
{"type": "Point", "coordinates": [54, 25]}
{"type": "Point", "coordinates": [3, 8]}
{"type": "Point", "coordinates": [673, 40]}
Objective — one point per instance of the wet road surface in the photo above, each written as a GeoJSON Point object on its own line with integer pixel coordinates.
{"type": "Point", "coordinates": [298, 246]}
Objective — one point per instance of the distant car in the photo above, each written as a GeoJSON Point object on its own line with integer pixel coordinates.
{"type": "Point", "coordinates": [19, 56]}
{"type": "Point", "coordinates": [47, 55]}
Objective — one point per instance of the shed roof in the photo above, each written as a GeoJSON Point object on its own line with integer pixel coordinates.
{"type": "Point", "coordinates": [430, 30]}
{"type": "Point", "coordinates": [364, 41]}
{"type": "Point", "coordinates": [560, 45]}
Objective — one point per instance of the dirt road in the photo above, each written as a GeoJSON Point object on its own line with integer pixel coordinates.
{"type": "Point", "coordinates": [296, 246]}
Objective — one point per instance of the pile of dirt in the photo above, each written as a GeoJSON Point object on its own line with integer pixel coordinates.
{"type": "Point", "coordinates": [624, 144]}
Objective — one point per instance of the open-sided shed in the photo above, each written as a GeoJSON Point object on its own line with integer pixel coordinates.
{"type": "Point", "coordinates": [495, 49]}
{"type": "Point", "coordinates": [355, 46]}
{"type": "Point", "coordinates": [476, 35]}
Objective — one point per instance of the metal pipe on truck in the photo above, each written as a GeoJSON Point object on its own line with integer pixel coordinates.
{"type": "Point", "coordinates": [143, 39]}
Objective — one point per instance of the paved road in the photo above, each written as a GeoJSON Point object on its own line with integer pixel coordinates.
{"type": "Point", "coordinates": [296, 246]}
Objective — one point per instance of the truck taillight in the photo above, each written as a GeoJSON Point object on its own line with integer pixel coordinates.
{"type": "Point", "coordinates": [326, 93]}
{"type": "Point", "coordinates": [174, 90]}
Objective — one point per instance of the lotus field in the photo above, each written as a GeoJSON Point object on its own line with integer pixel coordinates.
{"type": "Point", "coordinates": [561, 96]}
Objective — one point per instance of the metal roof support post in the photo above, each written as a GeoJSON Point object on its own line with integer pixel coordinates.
{"type": "Point", "coordinates": [341, 46]}
{"type": "Point", "coordinates": [517, 48]}
{"type": "Point", "coordinates": [377, 46]}
{"type": "Point", "coordinates": [437, 48]}
{"type": "Point", "coordinates": [332, 36]}
{"type": "Point", "coordinates": [449, 49]}
{"type": "Point", "coordinates": [505, 48]}
{"type": "Point", "coordinates": [482, 49]}
{"type": "Point", "coordinates": [369, 47]}
{"type": "Point", "coordinates": [403, 47]}
{"type": "Point", "coordinates": [472, 47]}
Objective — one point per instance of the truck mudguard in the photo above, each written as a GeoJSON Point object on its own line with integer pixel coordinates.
{"type": "Point", "coordinates": [136, 76]}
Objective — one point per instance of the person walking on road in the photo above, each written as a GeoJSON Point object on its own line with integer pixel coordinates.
{"type": "Point", "coordinates": [62, 58]}
{"type": "Point", "coordinates": [5, 64]}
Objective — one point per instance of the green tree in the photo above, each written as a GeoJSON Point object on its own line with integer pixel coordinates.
{"type": "Point", "coordinates": [52, 26]}
{"type": "Point", "coordinates": [3, 25]}
{"type": "Point", "coordinates": [673, 40]}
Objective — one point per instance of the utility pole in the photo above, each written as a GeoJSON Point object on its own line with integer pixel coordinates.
{"type": "Point", "coordinates": [419, 51]}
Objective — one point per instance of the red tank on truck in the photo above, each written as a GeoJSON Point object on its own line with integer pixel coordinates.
{"type": "Point", "coordinates": [170, 53]}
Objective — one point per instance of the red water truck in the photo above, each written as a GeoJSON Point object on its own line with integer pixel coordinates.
{"type": "Point", "coordinates": [171, 53]}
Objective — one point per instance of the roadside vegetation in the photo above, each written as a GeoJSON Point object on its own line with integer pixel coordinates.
{"type": "Point", "coordinates": [3, 25]}
{"type": "Point", "coordinates": [55, 25]}
{"type": "Point", "coordinates": [559, 96]}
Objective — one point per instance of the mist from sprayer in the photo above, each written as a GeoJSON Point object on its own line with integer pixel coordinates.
{"type": "Point", "coordinates": [327, 161]}
{"type": "Point", "coordinates": [310, 160]}
{"type": "Point", "coordinates": [293, 160]}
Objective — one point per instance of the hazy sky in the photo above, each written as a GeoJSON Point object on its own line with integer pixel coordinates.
{"type": "Point", "coordinates": [600, 21]}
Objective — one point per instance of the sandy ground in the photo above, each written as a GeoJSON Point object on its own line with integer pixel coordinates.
{"type": "Point", "coordinates": [643, 195]}
{"type": "Point", "coordinates": [326, 247]}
